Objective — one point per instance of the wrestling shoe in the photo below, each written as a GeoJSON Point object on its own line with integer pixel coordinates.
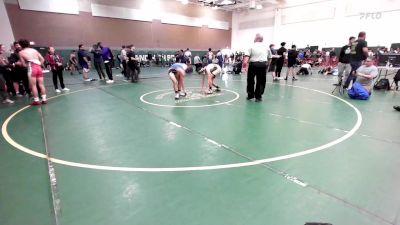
{"type": "Point", "coordinates": [35, 103]}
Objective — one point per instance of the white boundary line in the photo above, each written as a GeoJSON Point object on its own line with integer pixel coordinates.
{"type": "Point", "coordinates": [187, 106]}
{"type": "Point", "coordinates": [184, 169]}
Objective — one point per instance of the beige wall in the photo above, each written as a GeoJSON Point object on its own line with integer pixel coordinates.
{"type": "Point", "coordinates": [64, 30]}
{"type": "Point", "coordinates": [6, 34]}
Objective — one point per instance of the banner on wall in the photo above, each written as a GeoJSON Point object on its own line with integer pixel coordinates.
{"type": "Point", "coordinates": [142, 54]}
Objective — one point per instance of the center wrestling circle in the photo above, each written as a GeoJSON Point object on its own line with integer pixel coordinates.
{"type": "Point", "coordinates": [193, 99]}
{"type": "Point", "coordinates": [190, 168]}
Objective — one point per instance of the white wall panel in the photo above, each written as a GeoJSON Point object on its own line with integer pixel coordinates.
{"type": "Point", "coordinates": [313, 24]}
{"type": "Point", "coordinates": [119, 12]}
{"type": "Point", "coordinates": [245, 25]}
{"type": "Point", "coordinates": [356, 7]}
{"type": "Point", "coordinates": [6, 35]}
{"type": "Point", "coordinates": [216, 24]}
{"type": "Point", "coordinates": [245, 38]}
{"type": "Point", "coordinates": [56, 6]}
{"type": "Point", "coordinates": [149, 15]}
{"type": "Point", "coordinates": [170, 18]}
{"type": "Point", "coordinates": [309, 12]}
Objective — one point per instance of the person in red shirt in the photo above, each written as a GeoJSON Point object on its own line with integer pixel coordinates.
{"type": "Point", "coordinates": [56, 66]}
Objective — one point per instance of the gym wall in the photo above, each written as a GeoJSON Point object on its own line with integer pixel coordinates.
{"type": "Point", "coordinates": [65, 30]}
{"type": "Point", "coordinates": [6, 34]}
{"type": "Point", "coordinates": [326, 23]}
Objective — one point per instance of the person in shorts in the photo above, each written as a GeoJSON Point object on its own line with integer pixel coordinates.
{"type": "Point", "coordinates": [176, 73]}
{"type": "Point", "coordinates": [292, 61]}
{"type": "Point", "coordinates": [84, 62]}
{"type": "Point", "coordinates": [211, 70]}
{"type": "Point", "coordinates": [33, 60]}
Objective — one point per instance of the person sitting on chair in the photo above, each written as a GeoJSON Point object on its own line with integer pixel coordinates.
{"type": "Point", "coordinates": [366, 74]}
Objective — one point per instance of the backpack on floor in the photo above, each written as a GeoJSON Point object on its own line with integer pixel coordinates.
{"type": "Point", "coordinates": [357, 91]}
{"type": "Point", "coordinates": [237, 68]}
{"type": "Point", "coordinates": [383, 84]}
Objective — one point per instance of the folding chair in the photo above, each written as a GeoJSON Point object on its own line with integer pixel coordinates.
{"type": "Point", "coordinates": [339, 87]}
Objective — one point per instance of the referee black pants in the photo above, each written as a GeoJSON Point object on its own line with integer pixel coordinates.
{"type": "Point", "coordinates": [256, 70]}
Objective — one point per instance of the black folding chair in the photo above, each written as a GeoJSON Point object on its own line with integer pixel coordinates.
{"type": "Point", "coordinates": [339, 87]}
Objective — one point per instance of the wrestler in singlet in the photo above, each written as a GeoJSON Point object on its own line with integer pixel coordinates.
{"type": "Point", "coordinates": [176, 73]}
{"type": "Point", "coordinates": [34, 68]}
{"type": "Point", "coordinates": [33, 60]}
{"type": "Point", "coordinates": [211, 70]}
{"type": "Point", "coordinates": [174, 67]}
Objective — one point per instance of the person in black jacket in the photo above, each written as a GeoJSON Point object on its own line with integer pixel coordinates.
{"type": "Point", "coordinates": [19, 72]}
{"type": "Point", "coordinates": [292, 61]}
{"type": "Point", "coordinates": [98, 61]}
{"type": "Point", "coordinates": [133, 64]}
{"type": "Point", "coordinates": [344, 61]}
{"type": "Point", "coordinates": [279, 62]}
{"type": "Point", "coordinates": [359, 53]}
{"type": "Point", "coordinates": [274, 58]}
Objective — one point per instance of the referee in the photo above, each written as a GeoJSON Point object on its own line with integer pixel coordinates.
{"type": "Point", "coordinates": [259, 57]}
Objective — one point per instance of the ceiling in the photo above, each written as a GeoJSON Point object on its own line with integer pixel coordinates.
{"type": "Point", "coordinates": [240, 5]}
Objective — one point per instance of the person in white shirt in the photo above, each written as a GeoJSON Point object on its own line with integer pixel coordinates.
{"type": "Point", "coordinates": [210, 56]}
{"type": "Point", "coordinates": [197, 63]}
{"type": "Point", "coordinates": [188, 55]}
{"type": "Point", "coordinates": [123, 59]}
{"type": "Point", "coordinates": [367, 73]}
{"type": "Point", "coordinates": [211, 71]}
{"type": "Point", "coordinates": [259, 57]}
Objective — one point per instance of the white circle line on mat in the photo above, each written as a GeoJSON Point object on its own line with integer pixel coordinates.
{"type": "Point", "coordinates": [192, 168]}
{"type": "Point", "coordinates": [188, 106]}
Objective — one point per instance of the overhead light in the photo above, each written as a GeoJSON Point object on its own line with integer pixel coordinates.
{"type": "Point", "coordinates": [227, 2]}
{"type": "Point", "coordinates": [215, 7]}
{"type": "Point", "coordinates": [219, 3]}
{"type": "Point", "coordinates": [259, 6]}
{"type": "Point", "coordinates": [252, 4]}
{"type": "Point", "coordinates": [185, 2]}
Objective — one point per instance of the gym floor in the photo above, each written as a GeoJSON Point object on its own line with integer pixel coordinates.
{"type": "Point", "coordinates": [128, 154]}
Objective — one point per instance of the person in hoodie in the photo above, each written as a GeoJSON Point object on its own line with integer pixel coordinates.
{"type": "Point", "coordinates": [98, 61]}
{"type": "Point", "coordinates": [108, 59]}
